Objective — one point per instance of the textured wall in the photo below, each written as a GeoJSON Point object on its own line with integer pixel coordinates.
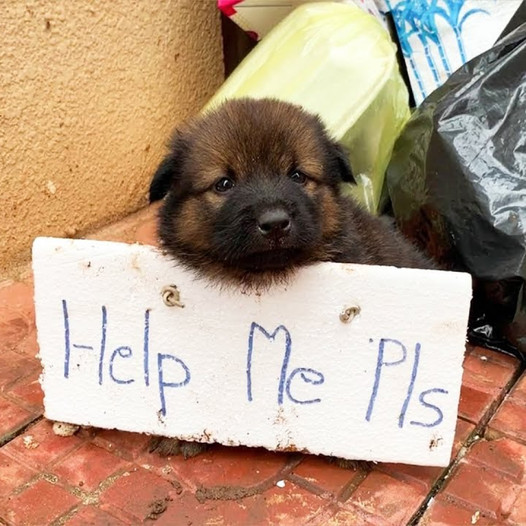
{"type": "Point", "coordinates": [89, 93]}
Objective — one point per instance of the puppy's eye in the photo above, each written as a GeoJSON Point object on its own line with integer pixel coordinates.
{"type": "Point", "coordinates": [298, 177]}
{"type": "Point", "coordinates": [224, 185]}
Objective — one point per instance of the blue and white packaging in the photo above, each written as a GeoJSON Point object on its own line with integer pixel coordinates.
{"type": "Point", "coordinates": [438, 36]}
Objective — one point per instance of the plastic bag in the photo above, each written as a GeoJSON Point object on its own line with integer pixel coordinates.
{"type": "Point", "coordinates": [457, 181]}
{"type": "Point", "coordinates": [336, 61]}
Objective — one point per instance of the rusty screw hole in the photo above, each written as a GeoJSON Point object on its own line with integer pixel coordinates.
{"type": "Point", "coordinates": [349, 313]}
{"type": "Point", "coordinates": [171, 296]}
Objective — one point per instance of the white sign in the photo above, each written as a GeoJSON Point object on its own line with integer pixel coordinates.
{"type": "Point", "coordinates": [353, 361]}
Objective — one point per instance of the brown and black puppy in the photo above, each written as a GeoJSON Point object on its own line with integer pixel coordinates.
{"type": "Point", "coordinates": [253, 192]}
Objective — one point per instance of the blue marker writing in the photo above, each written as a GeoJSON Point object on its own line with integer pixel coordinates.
{"type": "Point", "coordinates": [161, 358]}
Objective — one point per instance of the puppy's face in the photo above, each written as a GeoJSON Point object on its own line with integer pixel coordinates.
{"type": "Point", "coordinates": [251, 192]}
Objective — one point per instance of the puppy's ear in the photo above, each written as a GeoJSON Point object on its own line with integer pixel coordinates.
{"type": "Point", "coordinates": [168, 171]}
{"type": "Point", "coordinates": [341, 161]}
{"type": "Point", "coordinates": [162, 179]}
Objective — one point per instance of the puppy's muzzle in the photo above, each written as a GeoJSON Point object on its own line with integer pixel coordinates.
{"type": "Point", "coordinates": [274, 223]}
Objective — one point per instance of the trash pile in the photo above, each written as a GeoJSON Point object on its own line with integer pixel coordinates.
{"type": "Point", "coordinates": [429, 98]}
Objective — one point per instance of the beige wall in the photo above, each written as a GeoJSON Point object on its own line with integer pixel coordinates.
{"type": "Point", "coordinates": [89, 93]}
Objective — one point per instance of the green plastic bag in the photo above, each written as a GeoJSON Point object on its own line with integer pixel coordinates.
{"type": "Point", "coordinates": [336, 61]}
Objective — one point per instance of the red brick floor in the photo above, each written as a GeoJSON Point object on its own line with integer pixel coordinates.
{"type": "Point", "coordinates": [108, 478]}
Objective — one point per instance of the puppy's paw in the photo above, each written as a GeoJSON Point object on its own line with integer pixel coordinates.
{"type": "Point", "coordinates": [350, 464]}
{"type": "Point", "coordinates": [171, 447]}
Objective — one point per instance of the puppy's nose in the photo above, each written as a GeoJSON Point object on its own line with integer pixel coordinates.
{"type": "Point", "coordinates": [274, 222]}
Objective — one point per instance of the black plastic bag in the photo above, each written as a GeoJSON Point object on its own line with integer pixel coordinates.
{"type": "Point", "coordinates": [457, 183]}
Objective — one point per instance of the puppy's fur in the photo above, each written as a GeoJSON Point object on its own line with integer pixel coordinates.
{"type": "Point", "coordinates": [253, 192]}
{"type": "Point", "coordinates": [262, 146]}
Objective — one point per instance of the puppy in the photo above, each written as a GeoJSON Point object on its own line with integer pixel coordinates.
{"type": "Point", "coordinates": [253, 192]}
